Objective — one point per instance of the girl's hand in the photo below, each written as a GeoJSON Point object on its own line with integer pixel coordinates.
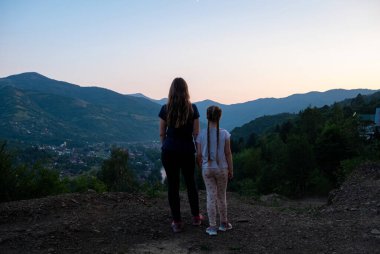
{"type": "Point", "coordinates": [230, 174]}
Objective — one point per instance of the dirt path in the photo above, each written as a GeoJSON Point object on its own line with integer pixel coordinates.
{"type": "Point", "coordinates": [123, 223]}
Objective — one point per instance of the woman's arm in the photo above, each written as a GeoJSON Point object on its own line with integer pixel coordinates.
{"type": "Point", "coordinates": [199, 155]}
{"type": "Point", "coordinates": [228, 153]}
{"type": "Point", "coordinates": [162, 129]}
{"type": "Point", "coordinates": [196, 128]}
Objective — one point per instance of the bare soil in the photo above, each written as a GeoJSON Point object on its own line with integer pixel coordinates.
{"type": "Point", "coordinates": [130, 223]}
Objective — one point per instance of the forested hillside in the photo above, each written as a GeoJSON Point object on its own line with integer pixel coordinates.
{"type": "Point", "coordinates": [235, 115]}
{"type": "Point", "coordinates": [308, 154]}
{"type": "Point", "coordinates": [40, 110]}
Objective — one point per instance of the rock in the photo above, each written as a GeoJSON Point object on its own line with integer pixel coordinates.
{"type": "Point", "coordinates": [74, 201]}
{"type": "Point", "coordinates": [274, 197]}
{"type": "Point", "coordinates": [375, 231]}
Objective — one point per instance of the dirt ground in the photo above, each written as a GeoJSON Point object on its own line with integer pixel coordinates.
{"type": "Point", "coordinates": [126, 223]}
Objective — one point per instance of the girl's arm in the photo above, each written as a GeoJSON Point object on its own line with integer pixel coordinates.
{"type": "Point", "coordinates": [162, 129]}
{"type": "Point", "coordinates": [228, 153]}
{"type": "Point", "coordinates": [196, 128]}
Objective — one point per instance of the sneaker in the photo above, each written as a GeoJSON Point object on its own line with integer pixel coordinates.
{"type": "Point", "coordinates": [197, 220]}
{"type": "Point", "coordinates": [212, 230]}
{"type": "Point", "coordinates": [177, 227]}
{"type": "Point", "coordinates": [224, 226]}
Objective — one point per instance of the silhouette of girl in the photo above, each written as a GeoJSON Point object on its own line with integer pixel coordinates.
{"type": "Point", "coordinates": [215, 159]}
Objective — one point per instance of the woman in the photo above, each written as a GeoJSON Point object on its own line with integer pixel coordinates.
{"type": "Point", "coordinates": [179, 126]}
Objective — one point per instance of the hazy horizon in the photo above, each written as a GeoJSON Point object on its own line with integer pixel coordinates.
{"type": "Point", "coordinates": [195, 101]}
{"type": "Point", "coordinates": [227, 51]}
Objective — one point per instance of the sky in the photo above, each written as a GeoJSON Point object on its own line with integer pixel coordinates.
{"type": "Point", "coordinates": [229, 51]}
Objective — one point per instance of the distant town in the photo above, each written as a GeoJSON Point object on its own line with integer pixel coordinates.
{"type": "Point", "coordinates": [144, 157]}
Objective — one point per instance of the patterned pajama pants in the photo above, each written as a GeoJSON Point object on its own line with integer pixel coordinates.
{"type": "Point", "coordinates": [216, 186]}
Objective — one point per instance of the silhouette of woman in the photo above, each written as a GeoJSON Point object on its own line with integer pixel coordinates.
{"type": "Point", "coordinates": [179, 126]}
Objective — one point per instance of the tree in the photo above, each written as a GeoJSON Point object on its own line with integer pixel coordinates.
{"type": "Point", "coordinates": [115, 172]}
{"type": "Point", "coordinates": [249, 164]}
{"type": "Point", "coordinates": [252, 140]}
{"type": "Point", "coordinates": [22, 182]}
{"type": "Point", "coordinates": [37, 181]}
{"type": "Point", "coordinates": [331, 147]}
{"type": "Point", "coordinates": [310, 123]}
{"type": "Point", "coordinates": [7, 175]}
{"type": "Point", "coordinates": [273, 155]}
{"type": "Point", "coordinates": [84, 182]}
{"type": "Point", "coordinates": [237, 145]}
{"type": "Point", "coordinates": [285, 129]}
{"type": "Point", "coordinates": [299, 164]}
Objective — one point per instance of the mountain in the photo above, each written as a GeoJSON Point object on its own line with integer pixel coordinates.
{"type": "Point", "coordinates": [32, 81]}
{"type": "Point", "coordinates": [260, 125]}
{"type": "Point", "coordinates": [140, 95]}
{"type": "Point", "coordinates": [361, 104]}
{"type": "Point", "coordinates": [235, 115]}
{"type": "Point", "coordinates": [38, 109]}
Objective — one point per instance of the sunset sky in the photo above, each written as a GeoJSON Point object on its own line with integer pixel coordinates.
{"type": "Point", "coordinates": [227, 50]}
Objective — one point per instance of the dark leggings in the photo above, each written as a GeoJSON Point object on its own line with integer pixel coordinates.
{"type": "Point", "coordinates": [174, 162]}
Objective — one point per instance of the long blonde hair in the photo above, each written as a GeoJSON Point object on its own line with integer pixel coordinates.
{"type": "Point", "coordinates": [179, 108]}
{"type": "Point", "coordinates": [214, 113]}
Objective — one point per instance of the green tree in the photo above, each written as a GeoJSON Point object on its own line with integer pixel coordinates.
{"type": "Point", "coordinates": [115, 172]}
{"type": "Point", "coordinates": [249, 164]}
{"type": "Point", "coordinates": [284, 130]}
{"type": "Point", "coordinates": [7, 175]}
{"type": "Point", "coordinates": [299, 164]}
{"type": "Point", "coordinates": [237, 145]}
{"type": "Point", "coordinates": [84, 182]}
{"type": "Point", "coordinates": [272, 174]}
{"type": "Point", "coordinates": [252, 140]}
{"type": "Point", "coordinates": [37, 181]}
{"type": "Point", "coordinates": [310, 123]}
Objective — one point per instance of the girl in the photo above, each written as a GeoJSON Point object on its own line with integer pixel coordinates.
{"type": "Point", "coordinates": [215, 159]}
{"type": "Point", "coordinates": [179, 126]}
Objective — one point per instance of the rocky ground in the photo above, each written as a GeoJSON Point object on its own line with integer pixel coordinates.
{"type": "Point", "coordinates": [126, 223]}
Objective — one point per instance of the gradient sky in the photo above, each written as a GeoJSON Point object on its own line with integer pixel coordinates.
{"type": "Point", "coordinates": [227, 50]}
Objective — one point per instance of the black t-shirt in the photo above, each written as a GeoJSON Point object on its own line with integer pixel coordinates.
{"type": "Point", "coordinates": [179, 139]}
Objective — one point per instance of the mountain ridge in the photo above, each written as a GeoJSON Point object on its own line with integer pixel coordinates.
{"type": "Point", "coordinates": [86, 114]}
{"type": "Point", "coordinates": [237, 114]}
{"type": "Point", "coordinates": [115, 117]}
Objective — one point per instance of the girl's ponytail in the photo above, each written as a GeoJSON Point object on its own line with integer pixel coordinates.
{"type": "Point", "coordinates": [213, 114]}
{"type": "Point", "coordinates": [208, 140]}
